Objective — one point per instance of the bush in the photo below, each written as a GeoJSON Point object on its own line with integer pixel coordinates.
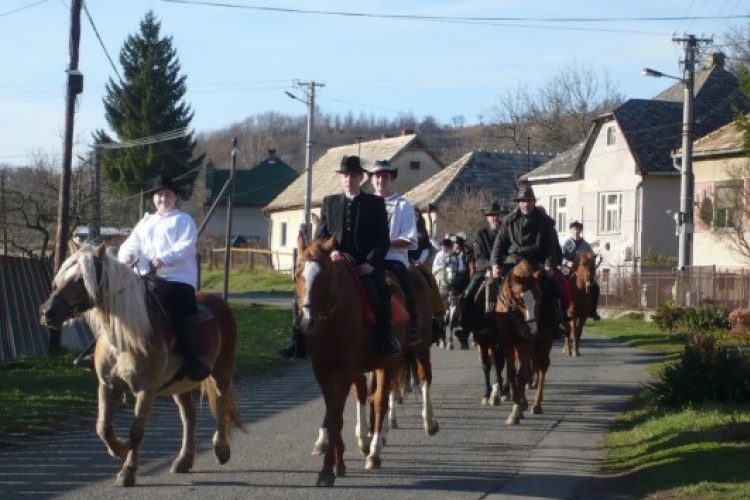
{"type": "Point", "coordinates": [705, 318]}
{"type": "Point", "coordinates": [668, 315]}
{"type": "Point", "coordinates": [739, 322]}
{"type": "Point", "coordinates": [704, 373]}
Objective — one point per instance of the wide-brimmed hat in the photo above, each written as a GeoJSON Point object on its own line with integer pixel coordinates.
{"type": "Point", "coordinates": [383, 166]}
{"type": "Point", "coordinates": [575, 223]}
{"type": "Point", "coordinates": [164, 182]}
{"type": "Point", "coordinates": [351, 165]}
{"type": "Point", "coordinates": [459, 239]}
{"type": "Point", "coordinates": [447, 242]}
{"type": "Point", "coordinates": [494, 209]}
{"type": "Point", "coordinates": [525, 193]}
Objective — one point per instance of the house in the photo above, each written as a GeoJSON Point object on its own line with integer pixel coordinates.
{"type": "Point", "coordinates": [406, 152]}
{"type": "Point", "coordinates": [254, 188]}
{"type": "Point", "coordinates": [720, 169]}
{"type": "Point", "coordinates": [621, 182]}
{"type": "Point", "coordinates": [480, 177]}
{"type": "Point", "coordinates": [106, 234]}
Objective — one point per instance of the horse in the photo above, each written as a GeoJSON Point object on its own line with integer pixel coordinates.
{"type": "Point", "coordinates": [340, 340]}
{"type": "Point", "coordinates": [523, 335]}
{"type": "Point", "coordinates": [581, 276]}
{"type": "Point", "coordinates": [480, 310]}
{"type": "Point", "coordinates": [134, 350]}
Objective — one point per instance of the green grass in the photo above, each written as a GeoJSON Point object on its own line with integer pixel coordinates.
{"type": "Point", "coordinates": [37, 392]}
{"type": "Point", "coordinates": [682, 454]}
{"type": "Point", "coordinates": [243, 280]}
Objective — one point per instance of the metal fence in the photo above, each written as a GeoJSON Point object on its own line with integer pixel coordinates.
{"type": "Point", "coordinates": [648, 289]}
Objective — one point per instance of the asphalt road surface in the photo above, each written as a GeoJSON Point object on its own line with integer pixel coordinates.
{"type": "Point", "coordinates": [474, 456]}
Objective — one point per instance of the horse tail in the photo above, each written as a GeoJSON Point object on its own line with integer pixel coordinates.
{"type": "Point", "coordinates": [230, 413]}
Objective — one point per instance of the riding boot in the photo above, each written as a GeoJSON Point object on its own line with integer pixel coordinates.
{"type": "Point", "coordinates": [563, 321]}
{"type": "Point", "coordinates": [385, 332]}
{"type": "Point", "coordinates": [415, 336]}
{"type": "Point", "coordinates": [296, 347]}
{"type": "Point", "coordinates": [86, 358]}
{"type": "Point", "coordinates": [595, 303]}
{"type": "Point", "coordinates": [195, 368]}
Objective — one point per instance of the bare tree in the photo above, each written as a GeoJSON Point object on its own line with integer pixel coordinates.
{"type": "Point", "coordinates": [462, 212]}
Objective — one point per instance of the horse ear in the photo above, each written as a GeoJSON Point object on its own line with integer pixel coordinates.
{"type": "Point", "coordinates": [538, 276]}
{"type": "Point", "coordinates": [330, 244]}
{"type": "Point", "coordinates": [100, 251]}
{"type": "Point", "coordinates": [301, 243]}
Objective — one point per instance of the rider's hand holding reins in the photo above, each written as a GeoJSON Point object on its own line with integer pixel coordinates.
{"type": "Point", "coordinates": [495, 271]}
{"type": "Point", "coordinates": [365, 268]}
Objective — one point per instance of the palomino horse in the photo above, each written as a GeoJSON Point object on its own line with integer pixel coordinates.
{"type": "Point", "coordinates": [134, 351]}
{"type": "Point", "coordinates": [522, 337]}
{"type": "Point", "coordinates": [580, 277]}
{"type": "Point", "coordinates": [340, 341]}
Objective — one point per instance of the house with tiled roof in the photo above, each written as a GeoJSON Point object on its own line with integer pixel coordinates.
{"type": "Point", "coordinates": [478, 176]}
{"type": "Point", "coordinates": [406, 152]}
{"type": "Point", "coordinates": [254, 188]}
{"type": "Point", "coordinates": [721, 170]}
{"type": "Point", "coordinates": [622, 182]}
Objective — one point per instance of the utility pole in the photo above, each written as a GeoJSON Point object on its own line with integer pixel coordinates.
{"type": "Point", "coordinates": [74, 87]}
{"type": "Point", "coordinates": [228, 236]}
{"type": "Point", "coordinates": [310, 101]}
{"type": "Point", "coordinates": [95, 228]}
{"type": "Point", "coordinates": [3, 211]}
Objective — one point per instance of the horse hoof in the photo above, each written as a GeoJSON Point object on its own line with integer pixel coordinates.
{"type": "Point", "coordinates": [393, 423]}
{"type": "Point", "coordinates": [319, 449]}
{"type": "Point", "coordinates": [182, 464]}
{"type": "Point", "coordinates": [340, 470]}
{"type": "Point", "coordinates": [576, 354]}
{"type": "Point", "coordinates": [222, 453]}
{"type": "Point", "coordinates": [325, 479]}
{"type": "Point", "coordinates": [537, 410]}
{"type": "Point", "coordinates": [126, 477]}
{"type": "Point", "coordinates": [372, 463]}
{"type": "Point", "coordinates": [512, 420]}
{"type": "Point", "coordinates": [485, 400]}
{"type": "Point", "coordinates": [433, 429]}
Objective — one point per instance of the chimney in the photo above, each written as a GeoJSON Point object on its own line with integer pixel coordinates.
{"type": "Point", "coordinates": [715, 59]}
{"type": "Point", "coordinates": [407, 131]}
{"type": "Point", "coordinates": [271, 156]}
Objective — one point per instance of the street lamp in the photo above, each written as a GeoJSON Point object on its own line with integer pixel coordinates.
{"type": "Point", "coordinates": [685, 216]}
{"type": "Point", "coordinates": [310, 102]}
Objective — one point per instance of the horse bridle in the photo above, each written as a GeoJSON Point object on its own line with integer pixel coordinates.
{"type": "Point", "coordinates": [512, 306]}
{"type": "Point", "coordinates": [322, 317]}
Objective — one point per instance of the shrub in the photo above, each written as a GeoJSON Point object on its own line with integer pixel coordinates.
{"type": "Point", "coordinates": [668, 315]}
{"type": "Point", "coordinates": [704, 373]}
{"type": "Point", "coordinates": [739, 322]}
{"type": "Point", "coordinates": [705, 318]}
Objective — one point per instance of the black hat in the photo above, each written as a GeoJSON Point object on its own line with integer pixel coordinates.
{"type": "Point", "coordinates": [525, 193]}
{"type": "Point", "coordinates": [459, 239]}
{"type": "Point", "coordinates": [383, 166]}
{"type": "Point", "coordinates": [447, 242]}
{"type": "Point", "coordinates": [575, 223]}
{"type": "Point", "coordinates": [164, 182]}
{"type": "Point", "coordinates": [350, 165]}
{"type": "Point", "coordinates": [494, 209]}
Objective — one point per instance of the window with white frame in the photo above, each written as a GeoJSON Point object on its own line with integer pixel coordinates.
{"type": "Point", "coordinates": [728, 205]}
{"type": "Point", "coordinates": [283, 233]}
{"type": "Point", "coordinates": [611, 135]}
{"type": "Point", "coordinates": [610, 212]}
{"type": "Point", "coordinates": [559, 212]}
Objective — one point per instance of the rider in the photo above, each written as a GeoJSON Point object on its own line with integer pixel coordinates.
{"type": "Point", "coordinates": [403, 234]}
{"type": "Point", "coordinates": [529, 233]}
{"type": "Point", "coordinates": [423, 252]}
{"type": "Point", "coordinates": [359, 223]}
{"type": "Point", "coordinates": [570, 250]}
{"type": "Point", "coordinates": [483, 242]}
{"type": "Point", "coordinates": [440, 261]}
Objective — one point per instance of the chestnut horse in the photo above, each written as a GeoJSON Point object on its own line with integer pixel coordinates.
{"type": "Point", "coordinates": [134, 350]}
{"type": "Point", "coordinates": [340, 341]}
{"type": "Point", "coordinates": [581, 276]}
{"type": "Point", "coordinates": [522, 335]}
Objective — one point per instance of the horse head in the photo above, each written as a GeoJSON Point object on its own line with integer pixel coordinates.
{"type": "Point", "coordinates": [74, 288]}
{"type": "Point", "coordinates": [584, 270]}
{"type": "Point", "coordinates": [521, 293]}
{"type": "Point", "coordinates": [315, 289]}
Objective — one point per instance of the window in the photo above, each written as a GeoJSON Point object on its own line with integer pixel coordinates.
{"type": "Point", "coordinates": [282, 234]}
{"type": "Point", "coordinates": [610, 212]}
{"type": "Point", "coordinates": [728, 205]}
{"type": "Point", "coordinates": [414, 165]}
{"type": "Point", "coordinates": [559, 212]}
{"type": "Point", "coordinates": [611, 135]}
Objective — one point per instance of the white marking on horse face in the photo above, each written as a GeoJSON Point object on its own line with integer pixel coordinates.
{"type": "Point", "coordinates": [530, 302]}
{"type": "Point", "coordinates": [309, 273]}
{"type": "Point", "coordinates": [70, 272]}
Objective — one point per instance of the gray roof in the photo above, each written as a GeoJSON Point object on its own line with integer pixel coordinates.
{"type": "Point", "coordinates": [495, 172]}
{"type": "Point", "coordinates": [562, 166]}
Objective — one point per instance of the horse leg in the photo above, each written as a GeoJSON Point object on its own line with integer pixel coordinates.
{"type": "Point", "coordinates": [108, 399]}
{"type": "Point", "coordinates": [144, 401]}
{"type": "Point", "coordinates": [516, 388]}
{"type": "Point", "coordinates": [361, 429]}
{"type": "Point", "coordinates": [503, 390]}
{"type": "Point", "coordinates": [335, 387]}
{"type": "Point", "coordinates": [381, 381]}
{"type": "Point", "coordinates": [580, 323]}
{"type": "Point", "coordinates": [543, 348]}
{"type": "Point", "coordinates": [484, 357]}
{"type": "Point", "coordinates": [184, 461]}
{"type": "Point", "coordinates": [321, 444]}
{"type": "Point", "coordinates": [424, 376]}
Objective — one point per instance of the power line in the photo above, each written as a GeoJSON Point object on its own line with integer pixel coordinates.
{"type": "Point", "coordinates": [3, 14]}
{"type": "Point", "coordinates": [101, 42]}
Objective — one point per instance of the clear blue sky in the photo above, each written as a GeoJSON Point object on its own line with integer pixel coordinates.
{"type": "Point", "coordinates": [240, 60]}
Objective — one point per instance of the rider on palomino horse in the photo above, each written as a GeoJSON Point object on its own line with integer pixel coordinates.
{"type": "Point", "coordinates": [359, 223]}
{"type": "Point", "coordinates": [570, 250]}
{"type": "Point", "coordinates": [529, 233]}
{"type": "Point", "coordinates": [403, 233]}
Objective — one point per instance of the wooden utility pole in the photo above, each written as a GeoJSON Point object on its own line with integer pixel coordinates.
{"type": "Point", "coordinates": [74, 87]}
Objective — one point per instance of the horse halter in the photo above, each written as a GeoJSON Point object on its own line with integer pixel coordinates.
{"type": "Point", "coordinates": [321, 316]}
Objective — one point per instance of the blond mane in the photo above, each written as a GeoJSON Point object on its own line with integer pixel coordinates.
{"type": "Point", "coordinates": [120, 310]}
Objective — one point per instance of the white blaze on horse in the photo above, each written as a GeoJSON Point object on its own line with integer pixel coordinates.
{"type": "Point", "coordinates": [135, 351]}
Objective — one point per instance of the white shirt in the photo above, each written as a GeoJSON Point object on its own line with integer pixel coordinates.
{"type": "Point", "coordinates": [402, 226]}
{"type": "Point", "coordinates": [440, 261]}
{"type": "Point", "coordinates": [171, 238]}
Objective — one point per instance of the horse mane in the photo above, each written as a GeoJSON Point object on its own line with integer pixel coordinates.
{"type": "Point", "coordinates": [120, 298]}
{"type": "Point", "coordinates": [315, 251]}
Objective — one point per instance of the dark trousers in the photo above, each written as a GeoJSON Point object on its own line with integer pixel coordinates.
{"type": "Point", "coordinates": [377, 278]}
{"type": "Point", "coordinates": [401, 273]}
{"type": "Point", "coordinates": [179, 302]}
{"type": "Point", "coordinates": [474, 283]}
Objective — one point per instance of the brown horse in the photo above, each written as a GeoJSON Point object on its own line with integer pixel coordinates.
{"type": "Point", "coordinates": [580, 277]}
{"type": "Point", "coordinates": [340, 341]}
{"type": "Point", "coordinates": [523, 336]}
{"type": "Point", "coordinates": [134, 350]}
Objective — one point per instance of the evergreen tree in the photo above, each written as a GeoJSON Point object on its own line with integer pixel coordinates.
{"type": "Point", "coordinates": [146, 102]}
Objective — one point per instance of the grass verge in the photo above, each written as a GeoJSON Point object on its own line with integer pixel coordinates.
{"type": "Point", "coordinates": [699, 452]}
{"type": "Point", "coordinates": [243, 280]}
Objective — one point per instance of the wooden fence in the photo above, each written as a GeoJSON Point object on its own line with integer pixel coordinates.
{"type": "Point", "coordinates": [249, 258]}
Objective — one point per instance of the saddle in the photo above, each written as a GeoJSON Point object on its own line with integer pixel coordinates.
{"type": "Point", "coordinates": [371, 298]}
{"type": "Point", "coordinates": [156, 292]}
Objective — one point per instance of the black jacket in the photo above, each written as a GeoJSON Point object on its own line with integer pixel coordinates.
{"type": "Point", "coordinates": [533, 238]}
{"type": "Point", "coordinates": [483, 243]}
{"type": "Point", "coordinates": [371, 235]}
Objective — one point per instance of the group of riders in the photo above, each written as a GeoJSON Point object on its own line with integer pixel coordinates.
{"type": "Point", "coordinates": [376, 232]}
{"type": "Point", "coordinates": [382, 232]}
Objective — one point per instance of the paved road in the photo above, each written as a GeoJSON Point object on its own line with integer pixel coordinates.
{"type": "Point", "coordinates": [474, 456]}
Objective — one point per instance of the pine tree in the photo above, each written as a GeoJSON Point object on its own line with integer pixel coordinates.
{"type": "Point", "coordinates": [146, 102]}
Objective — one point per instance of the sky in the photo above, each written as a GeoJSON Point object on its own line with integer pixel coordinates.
{"type": "Point", "coordinates": [439, 58]}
